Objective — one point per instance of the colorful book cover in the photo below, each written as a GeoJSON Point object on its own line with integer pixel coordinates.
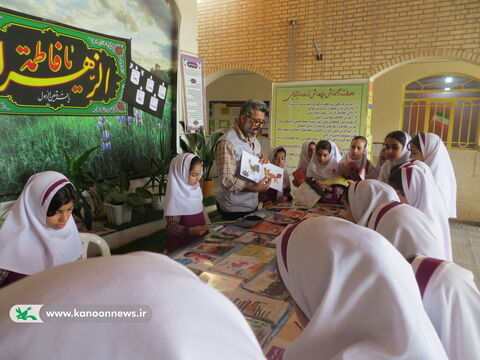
{"type": "Point", "coordinates": [297, 214]}
{"type": "Point", "coordinates": [255, 238]}
{"type": "Point", "coordinates": [231, 230]}
{"type": "Point", "coordinates": [261, 329]}
{"type": "Point", "coordinates": [262, 253]}
{"type": "Point", "coordinates": [327, 210]}
{"type": "Point", "coordinates": [267, 228]}
{"type": "Point", "coordinates": [259, 307]}
{"type": "Point", "coordinates": [213, 247]}
{"type": "Point", "coordinates": [281, 219]}
{"type": "Point", "coordinates": [225, 284]}
{"type": "Point", "coordinates": [279, 206]}
{"type": "Point", "coordinates": [276, 348]}
{"type": "Point", "coordinates": [244, 267]}
{"type": "Point", "coordinates": [196, 260]}
{"type": "Point", "coordinates": [268, 283]}
{"type": "Point", "coordinates": [299, 176]}
{"type": "Point", "coordinates": [251, 168]}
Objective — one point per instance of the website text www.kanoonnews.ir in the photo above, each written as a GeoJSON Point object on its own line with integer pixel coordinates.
{"type": "Point", "coordinates": [39, 313]}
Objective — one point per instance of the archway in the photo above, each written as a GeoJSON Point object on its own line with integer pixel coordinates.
{"type": "Point", "coordinates": [387, 114]}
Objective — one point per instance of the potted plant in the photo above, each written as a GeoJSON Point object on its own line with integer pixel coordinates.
{"type": "Point", "coordinates": [82, 180]}
{"type": "Point", "coordinates": [159, 166]}
{"type": "Point", "coordinates": [198, 144]}
{"type": "Point", "coordinates": [119, 202]}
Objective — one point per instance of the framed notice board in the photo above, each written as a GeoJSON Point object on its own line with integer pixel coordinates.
{"type": "Point", "coordinates": [335, 111]}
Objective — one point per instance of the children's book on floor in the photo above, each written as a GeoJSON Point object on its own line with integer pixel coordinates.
{"type": "Point", "coordinates": [268, 283]}
{"type": "Point", "coordinates": [261, 329]}
{"type": "Point", "coordinates": [245, 267]}
{"type": "Point", "coordinates": [259, 307]}
{"type": "Point", "coordinates": [251, 168]}
{"type": "Point", "coordinates": [268, 228]}
{"type": "Point", "coordinates": [196, 260]}
{"type": "Point", "coordinates": [223, 283]}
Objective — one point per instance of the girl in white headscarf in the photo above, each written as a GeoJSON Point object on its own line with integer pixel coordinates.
{"type": "Point", "coordinates": [184, 318]}
{"type": "Point", "coordinates": [429, 148]}
{"type": "Point", "coordinates": [408, 229]}
{"type": "Point", "coordinates": [396, 152]}
{"type": "Point", "coordinates": [358, 293]}
{"type": "Point", "coordinates": [364, 197]}
{"type": "Point", "coordinates": [278, 157]}
{"type": "Point", "coordinates": [39, 231]}
{"type": "Point", "coordinates": [415, 185]}
{"type": "Point", "coordinates": [452, 301]}
{"type": "Point", "coordinates": [355, 164]}
{"type": "Point", "coordinates": [184, 207]}
{"type": "Point", "coordinates": [324, 163]}
{"type": "Point", "coordinates": [306, 153]}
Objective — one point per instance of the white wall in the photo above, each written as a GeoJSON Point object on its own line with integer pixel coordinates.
{"type": "Point", "coordinates": [242, 86]}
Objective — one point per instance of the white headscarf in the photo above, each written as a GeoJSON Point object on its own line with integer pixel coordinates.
{"type": "Point", "coordinates": [189, 320]}
{"type": "Point", "coordinates": [365, 167]}
{"type": "Point", "coordinates": [27, 244]}
{"type": "Point", "coordinates": [358, 292]}
{"type": "Point", "coordinates": [422, 192]}
{"type": "Point", "coordinates": [389, 164]}
{"type": "Point", "coordinates": [408, 229]}
{"type": "Point", "coordinates": [366, 195]}
{"type": "Point", "coordinates": [304, 160]}
{"type": "Point", "coordinates": [182, 198]}
{"type": "Point", "coordinates": [325, 171]}
{"type": "Point", "coordinates": [452, 301]}
{"type": "Point", "coordinates": [435, 154]}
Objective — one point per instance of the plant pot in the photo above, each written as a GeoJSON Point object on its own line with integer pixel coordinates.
{"type": "Point", "coordinates": [158, 202]}
{"type": "Point", "coordinates": [207, 188]}
{"type": "Point", "coordinates": [118, 214]}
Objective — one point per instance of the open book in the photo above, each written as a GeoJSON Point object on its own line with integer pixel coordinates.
{"type": "Point", "coordinates": [251, 168]}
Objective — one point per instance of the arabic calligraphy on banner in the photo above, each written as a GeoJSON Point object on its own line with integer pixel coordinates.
{"type": "Point", "coordinates": [50, 68]}
{"type": "Point", "coordinates": [314, 112]}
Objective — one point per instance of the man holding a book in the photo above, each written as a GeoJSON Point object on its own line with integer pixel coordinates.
{"type": "Point", "coordinates": [238, 196]}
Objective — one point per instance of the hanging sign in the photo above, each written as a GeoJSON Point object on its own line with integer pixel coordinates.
{"type": "Point", "coordinates": [145, 91]}
{"type": "Point", "coordinates": [51, 68]}
{"type": "Point", "coordinates": [193, 91]}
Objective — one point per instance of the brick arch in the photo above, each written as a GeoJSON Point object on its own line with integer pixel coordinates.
{"type": "Point", "coordinates": [453, 54]}
{"type": "Point", "coordinates": [240, 66]}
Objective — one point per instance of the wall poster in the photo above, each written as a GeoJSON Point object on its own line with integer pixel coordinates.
{"type": "Point", "coordinates": [309, 111]}
{"type": "Point", "coordinates": [50, 68]}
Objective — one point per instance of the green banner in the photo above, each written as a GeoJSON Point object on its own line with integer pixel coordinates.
{"type": "Point", "coordinates": [49, 68]}
{"type": "Point", "coordinates": [314, 112]}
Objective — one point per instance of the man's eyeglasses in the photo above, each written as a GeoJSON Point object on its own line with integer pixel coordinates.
{"type": "Point", "coordinates": [256, 121]}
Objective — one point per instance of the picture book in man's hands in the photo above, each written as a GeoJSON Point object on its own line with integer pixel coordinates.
{"type": "Point", "coordinates": [251, 168]}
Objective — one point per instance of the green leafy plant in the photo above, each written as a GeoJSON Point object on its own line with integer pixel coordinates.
{"type": "Point", "coordinates": [160, 164]}
{"type": "Point", "coordinates": [116, 192]}
{"type": "Point", "coordinates": [198, 144]}
{"type": "Point", "coordinates": [82, 180]}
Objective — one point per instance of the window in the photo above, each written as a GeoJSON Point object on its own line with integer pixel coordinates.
{"type": "Point", "coordinates": [447, 105]}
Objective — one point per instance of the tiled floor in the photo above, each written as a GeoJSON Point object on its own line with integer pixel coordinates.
{"type": "Point", "coordinates": [466, 247]}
